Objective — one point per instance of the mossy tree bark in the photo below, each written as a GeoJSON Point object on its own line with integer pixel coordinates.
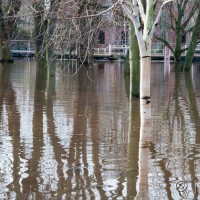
{"type": "Point", "coordinates": [44, 26]}
{"type": "Point", "coordinates": [179, 30]}
{"type": "Point", "coordinates": [39, 33]}
{"type": "Point", "coordinates": [193, 43]}
{"type": "Point", "coordinates": [180, 23]}
{"type": "Point", "coordinates": [7, 24]}
{"type": "Point", "coordinates": [134, 63]}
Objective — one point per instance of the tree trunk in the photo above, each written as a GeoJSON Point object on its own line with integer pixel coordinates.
{"type": "Point", "coordinates": [50, 57]}
{"type": "Point", "coordinates": [145, 117]}
{"type": "Point", "coordinates": [44, 29]}
{"type": "Point", "coordinates": [177, 51]}
{"type": "Point", "coordinates": [145, 131]}
{"type": "Point", "coordinates": [5, 52]}
{"type": "Point", "coordinates": [134, 63]}
{"type": "Point", "coordinates": [145, 73]}
{"type": "Point", "coordinates": [193, 42]}
{"type": "Point", "coordinates": [39, 33]}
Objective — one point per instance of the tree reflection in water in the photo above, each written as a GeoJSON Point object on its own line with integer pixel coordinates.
{"type": "Point", "coordinates": [77, 137]}
{"type": "Point", "coordinates": [65, 137]}
{"type": "Point", "coordinates": [175, 140]}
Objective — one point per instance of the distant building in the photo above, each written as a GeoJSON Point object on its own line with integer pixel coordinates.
{"type": "Point", "coordinates": [114, 30]}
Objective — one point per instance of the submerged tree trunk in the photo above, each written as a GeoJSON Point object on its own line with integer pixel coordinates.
{"type": "Point", "coordinates": [44, 27]}
{"type": "Point", "coordinates": [177, 50]}
{"type": "Point", "coordinates": [5, 52]}
{"type": "Point", "coordinates": [193, 43]}
{"type": "Point", "coordinates": [145, 122]}
{"type": "Point", "coordinates": [179, 30]}
{"type": "Point", "coordinates": [145, 71]}
{"type": "Point", "coordinates": [142, 16]}
{"type": "Point", "coordinates": [85, 29]}
{"type": "Point", "coordinates": [39, 32]}
{"type": "Point", "coordinates": [134, 63]}
{"type": "Point", "coordinates": [145, 118]}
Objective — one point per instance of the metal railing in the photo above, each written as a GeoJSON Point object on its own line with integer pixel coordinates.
{"type": "Point", "coordinates": [27, 46]}
{"type": "Point", "coordinates": [112, 49]}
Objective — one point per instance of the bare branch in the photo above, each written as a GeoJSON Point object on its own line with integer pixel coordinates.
{"type": "Point", "coordinates": [88, 16]}
{"type": "Point", "coordinates": [165, 42]}
{"type": "Point", "coordinates": [141, 10]}
{"type": "Point", "coordinates": [158, 16]}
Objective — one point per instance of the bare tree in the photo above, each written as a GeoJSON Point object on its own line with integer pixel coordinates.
{"type": "Point", "coordinates": [8, 12]}
{"type": "Point", "coordinates": [180, 20]}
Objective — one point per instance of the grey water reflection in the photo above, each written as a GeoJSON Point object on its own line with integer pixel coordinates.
{"type": "Point", "coordinates": [175, 140]}
{"type": "Point", "coordinates": [68, 137]}
{"type": "Point", "coordinates": [76, 137]}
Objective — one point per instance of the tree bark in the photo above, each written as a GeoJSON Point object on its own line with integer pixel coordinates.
{"type": "Point", "coordinates": [145, 71]}
{"type": "Point", "coordinates": [179, 30]}
{"type": "Point", "coordinates": [44, 27]}
{"type": "Point", "coordinates": [134, 63]}
{"type": "Point", "coordinates": [5, 52]}
{"type": "Point", "coordinates": [39, 33]}
{"type": "Point", "coordinates": [193, 43]}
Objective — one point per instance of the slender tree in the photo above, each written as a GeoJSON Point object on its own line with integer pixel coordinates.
{"type": "Point", "coordinates": [134, 63]}
{"type": "Point", "coordinates": [142, 16]}
{"type": "Point", "coordinates": [8, 12]}
{"type": "Point", "coordinates": [180, 21]}
{"type": "Point", "coordinates": [45, 19]}
{"type": "Point", "coordinates": [193, 43]}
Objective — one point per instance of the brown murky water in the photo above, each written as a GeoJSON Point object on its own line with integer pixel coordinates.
{"type": "Point", "coordinates": [76, 137]}
{"type": "Point", "coordinates": [175, 138]}
{"type": "Point", "coordinates": [66, 137]}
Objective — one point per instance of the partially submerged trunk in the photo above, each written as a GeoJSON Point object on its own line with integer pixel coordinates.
{"type": "Point", "coordinates": [134, 63]}
{"type": "Point", "coordinates": [85, 33]}
{"type": "Point", "coordinates": [177, 50]}
{"type": "Point", "coordinates": [145, 68]}
{"type": "Point", "coordinates": [142, 16]}
{"type": "Point", "coordinates": [44, 27]}
{"type": "Point", "coordinates": [8, 14]}
{"type": "Point", "coordinates": [39, 33]}
{"type": "Point", "coordinates": [193, 43]}
{"type": "Point", "coordinates": [5, 52]}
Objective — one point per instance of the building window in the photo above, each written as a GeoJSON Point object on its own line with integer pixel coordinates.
{"type": "Point", "coordinates": [183, 39]}
{"type": "Point", "coordinates": [124, 38]}
{"type": "Point", "coordinates": [101, 37]}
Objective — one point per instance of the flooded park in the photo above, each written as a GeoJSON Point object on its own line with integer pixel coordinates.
{"type": "Point", "coordinates": [75, 136]}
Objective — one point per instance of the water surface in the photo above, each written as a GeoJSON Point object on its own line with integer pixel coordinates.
{"type": "Point", "coordinates": [175, 137]}
{"type": "Point", "coordinates": [66, 137]}
{"type": "Point", "coordinates": [75, 136]}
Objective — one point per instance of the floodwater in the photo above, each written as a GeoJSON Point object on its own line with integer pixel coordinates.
{"type": "Point", "coordinates": [76, 136]}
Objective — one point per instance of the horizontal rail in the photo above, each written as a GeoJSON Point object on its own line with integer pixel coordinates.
{"type": "Point", "coordinates": [27, 46]}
